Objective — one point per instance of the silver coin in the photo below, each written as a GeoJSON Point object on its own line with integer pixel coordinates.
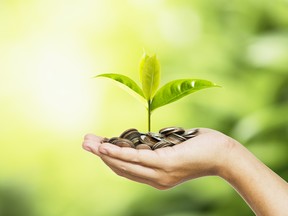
{"type": "Point", "coordinates": [175, 138]}
{"type": "Point", "coordinates": [190, 136]}
{"type": "Point", "coordinates": [144, 139]}
{"type": "Point", "coordinates": [167, 145]}
{"type": "Point", "coordinates": [136, 142]}
{"type": "Point", "coordinates": [152, 137]}
{"type": "Point", "coordinates": [190, 133]}
{"type": "Point", "coordinates": [169, 130]}
{"type": "Point", "coordinates": [166, 130]}
{"type": "Point", "coordinates": [161, 144]}
{"type": "Point", "coordinates": [166, 137]}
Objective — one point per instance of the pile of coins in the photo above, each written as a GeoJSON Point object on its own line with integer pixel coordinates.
{"type": "Point", "coordinates": [168, 136]}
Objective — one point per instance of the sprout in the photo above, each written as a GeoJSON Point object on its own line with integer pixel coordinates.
{"type": "Point", "coordinates": [150, 80]}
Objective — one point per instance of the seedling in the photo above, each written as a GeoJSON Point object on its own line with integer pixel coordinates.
{"type": "Point", "coordinates": [150, 80]}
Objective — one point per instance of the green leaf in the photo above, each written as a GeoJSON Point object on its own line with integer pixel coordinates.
{"type": "Point", "coordinates": [177, 89]}
{"type": "Point", "coordinates": [149, 75]}
{"type": "Point", "coordinates": [125, 82]}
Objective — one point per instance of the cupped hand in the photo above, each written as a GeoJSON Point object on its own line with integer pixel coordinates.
{"type": "Point", "coordinates": [163, 168]}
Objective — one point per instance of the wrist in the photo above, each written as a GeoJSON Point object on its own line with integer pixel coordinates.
{"type": "Point", "coordinates": [231, 152]}
{"type": "Point", "coordinates": [236, 163]}
{"type": "Point", "coordinates": [263, 190]}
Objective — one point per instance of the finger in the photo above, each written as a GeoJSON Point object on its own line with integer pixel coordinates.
{"type": "Point", "coordinates": [91, 146]}
{"type": "Point", "coordinates": [91, 143]}
{"type": "Point", "coordinates": [93, 137]}
{"type": "Point", "coordinates": [134, 178]}
{"type": "Point", "coordinates": [143, 157]}
{"type": "Point", "coordinates": [130, 168]}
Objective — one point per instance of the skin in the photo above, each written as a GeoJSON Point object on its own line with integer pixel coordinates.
{"type": "Point", "coordinates": [209, 153]}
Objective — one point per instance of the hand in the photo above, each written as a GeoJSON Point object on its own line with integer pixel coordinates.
{"type": "Point", "coordinates": [166, 167]}
{"type": "Point", "coordinates": [209, 153]}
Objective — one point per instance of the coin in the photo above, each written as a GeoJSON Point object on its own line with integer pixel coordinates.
{"type": "Point", "coordinates": [165, 131]}
{"type": "Point", "coordinates": [130, 134]}
{"type": "Point", "coordinates": [190, 133]}
{"type": "Point", "coordinates": [169, 130]}
{"type": "Point", "coordinates": [112, 139]}
{"type": "Point", "coordinates": [167, 145]}
{"type": "Point", "coordinates": [133, 135]}
{"type": "Point", "coordinates": [144, 139]}
{"type": "Point", "coordinates": [175, 138]}
{"type": "Point", "coordinates": [105, 140]}
{"type": "Point", "coordinates": [123, 143]}
{"type": "Point", "coordinates": [162, 143]}
{"type": "Point", "coordinates": [143, 146]}
{"type": "Point", "coordinates": [166, 137]}
{"type": "Point", "coordinates": [189, 136]}
{"type": "Point", "coordinates": [152, 137]}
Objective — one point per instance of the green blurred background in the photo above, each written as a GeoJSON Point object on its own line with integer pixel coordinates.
{"type": "Point", "coordinates": [51, 49]}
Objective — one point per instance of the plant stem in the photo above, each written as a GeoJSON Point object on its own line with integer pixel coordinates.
{"type": "Point", "coordinates": [149, 115]}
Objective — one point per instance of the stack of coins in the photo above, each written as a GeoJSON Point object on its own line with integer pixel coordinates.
{"type": "Point", "coordinates": [168, 136]}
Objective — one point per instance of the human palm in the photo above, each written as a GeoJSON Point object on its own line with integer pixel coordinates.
{"type": "Point", "coordinates": [166, 167]}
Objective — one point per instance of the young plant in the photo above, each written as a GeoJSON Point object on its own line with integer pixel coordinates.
{"type": "Point", "coordinates": [150, 80]}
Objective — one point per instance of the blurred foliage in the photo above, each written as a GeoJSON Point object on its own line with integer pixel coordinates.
{"type": "Point", "coordinates": [49, 52]}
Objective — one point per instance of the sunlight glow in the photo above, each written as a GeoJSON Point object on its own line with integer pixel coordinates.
{"type": "Point", "coordinates": [62, 78]}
